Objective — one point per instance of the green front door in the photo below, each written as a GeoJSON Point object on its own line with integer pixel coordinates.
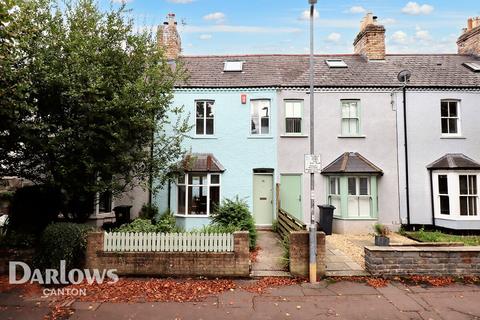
{"type": "Point", "coordinates": [291, 195]}
{"type": "Point", "coordinates": [263, 199]}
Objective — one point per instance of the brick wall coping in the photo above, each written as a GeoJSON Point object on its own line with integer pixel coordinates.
{"type": "Point", "coordinates": [423, 249]}
{"type": "Point", "coordinates": [429, 244]}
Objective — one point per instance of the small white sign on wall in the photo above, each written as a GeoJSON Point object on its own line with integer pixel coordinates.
{"type": "Point", "coordinates": [313, 163]}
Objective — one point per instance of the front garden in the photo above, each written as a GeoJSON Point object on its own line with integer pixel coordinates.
{"type": "Point", "coordinates": [423, 235]}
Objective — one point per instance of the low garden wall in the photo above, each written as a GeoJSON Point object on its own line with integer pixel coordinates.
{"type": "Point", "coordinates": [425, 259]}
{"type": "Point", "coordinates": [210, 264]}
{"type": "Point", "coordinates": [7, 255]}
{"type": "Point", "coordinates": [299, 254]}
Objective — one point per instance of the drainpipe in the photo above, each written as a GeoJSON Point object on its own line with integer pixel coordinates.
{"type": "Point", "coordinates": [405, 136]}
{"type": "Point", "coordinates": [431, 198]}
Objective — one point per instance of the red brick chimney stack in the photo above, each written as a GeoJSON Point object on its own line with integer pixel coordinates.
{"type": "Point", "coordinates": [469, 41]}
{"type": "Point", "coordinates": [370, 41]}
{"type": "Point", "coordinates": [168, 38]}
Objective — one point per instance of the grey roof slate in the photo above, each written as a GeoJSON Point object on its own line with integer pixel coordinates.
{"type": "Point", "coordinates": [431, 70]}
{"type": "Point", "coordinates": [351, 162]}
{"type": "Point", "coordinates": [202, 162]}
{"type": "Point", "coordinates": [452, 161]}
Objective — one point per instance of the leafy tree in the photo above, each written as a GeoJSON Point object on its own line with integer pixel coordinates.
{"type": "Point", "coordinates": [84, 95]}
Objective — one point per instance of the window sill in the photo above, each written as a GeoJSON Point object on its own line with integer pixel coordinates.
{"type": "Point", "coordinates": [457, 217]}
{"type": "Point", "coordinates": [191, 215]}
{"type": "Point", "coordinates": [355, 218]}
{"type": "Point", "coordinates": [260, 137]}
{"type": "Point", "coordinates": [293, 135]}
{"type": "Point", "coordinates": [204, 137]}
{"type": "Point", "coordinates": [452, 137]}
{"type": "Point", "coordinates": [351, 137]}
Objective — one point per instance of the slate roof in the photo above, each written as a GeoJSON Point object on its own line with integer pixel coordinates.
{"type": "Point", "coordinates": [202, 162]}
{"type": "Point", "coordinates": [454, 161]}
{"type": "Point", "coordinates": [352, 162]}
{"type": "Point", "coordinates": [432, 70]}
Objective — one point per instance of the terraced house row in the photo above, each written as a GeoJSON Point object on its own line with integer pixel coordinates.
{"type": "Point", "coordinates": [385, 158]}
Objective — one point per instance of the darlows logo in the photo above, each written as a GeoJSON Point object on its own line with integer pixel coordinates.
{"type": "Point", "coordinates": [58, 276]}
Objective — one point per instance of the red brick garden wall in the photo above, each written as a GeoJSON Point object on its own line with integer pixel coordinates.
{"type": "Point", "coordinates": [299, 254]}
{"type": "Point", "coordinates": [210, 264]}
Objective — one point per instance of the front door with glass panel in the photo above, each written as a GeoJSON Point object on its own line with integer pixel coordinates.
{"type": "Point", "coordinates": [263, 199]}
{"type": "Point", "coordinates": [359, 197]}
{"type": "Point", "coordinates": [291, 195]}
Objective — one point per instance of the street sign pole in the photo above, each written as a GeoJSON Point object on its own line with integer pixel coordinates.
{"type": "Point", "coordinates": [313, 228]}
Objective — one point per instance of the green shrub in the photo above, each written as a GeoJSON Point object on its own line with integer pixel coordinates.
{"type": "Point", "coordinates": [166, 223]}
{"type": "Point", "coordinates": [17, 239]}
{"type": "Point", "coordinates": [236, 213]}
{"type": "Point", "coordinates": [216, 228]}
{"type": "Point", "coordinates": [149, 211]}
{"type": "Point", "coordinates": [62, 241]}
{"type": "Point", "coordinates": [286, 251]}
{"type": "Point", "coordinates": [381, 230]}
{"type": "Point", "coordinates": [275, 225]}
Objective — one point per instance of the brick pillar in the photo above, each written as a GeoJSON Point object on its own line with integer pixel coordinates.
{"type": "Point", "coordinates": [299, 254]}
{"type": "Point", "coordinates": [241, 248]}
{"type": "Point", "coordinates": [94, 244]}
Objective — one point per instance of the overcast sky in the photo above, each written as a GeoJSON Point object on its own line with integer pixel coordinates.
{"type": "Point", "coordinates": [267, 26]}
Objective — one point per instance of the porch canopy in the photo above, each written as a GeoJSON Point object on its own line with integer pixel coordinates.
{"type": "Point", "coordinates": [454, 161]}
{"type": "Point", "coordinates": [201, 162]}
{"type": "Point", "coordinates": [352, 163]}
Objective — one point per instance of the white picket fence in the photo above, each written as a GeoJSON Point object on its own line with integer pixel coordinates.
{"type": "Point", "coordinates": [167, 242]}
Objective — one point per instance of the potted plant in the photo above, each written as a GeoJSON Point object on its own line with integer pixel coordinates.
{"type": "Point", "coordinates": [381, 235]}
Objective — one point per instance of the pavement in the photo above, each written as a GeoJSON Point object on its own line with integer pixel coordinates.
{"type": "Point", "coordinates": [270, 262]}
{"type": "Point", "coordinates": [325, 300]}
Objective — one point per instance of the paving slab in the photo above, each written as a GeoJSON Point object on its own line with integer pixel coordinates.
{"type": "Point", "coordinates": [454, 305]}
{"type": "Point", "coordinates": [236, 299]}
{"type": "Point", "coordinates": [23, 313]}
{"type": "Point", "coordinates": [352, 288]}
{"type": "Point", "coordinates": [400, 299]}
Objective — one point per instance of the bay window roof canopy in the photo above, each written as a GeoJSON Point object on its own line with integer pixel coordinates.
{"type": "Point", "coordinates": [201, 162]}
{"type": "Point", "coordinates": [352, 163]}
{"type": "Point", "coordinates": [454, 161]}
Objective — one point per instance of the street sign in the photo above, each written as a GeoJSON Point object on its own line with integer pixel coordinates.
{"type": "Point", "coordinates": [313, 163]}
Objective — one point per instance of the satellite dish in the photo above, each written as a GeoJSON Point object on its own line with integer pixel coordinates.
{"type": "Point", "coordinates": [404, 76]}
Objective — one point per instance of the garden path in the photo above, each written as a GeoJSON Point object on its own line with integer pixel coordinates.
{"type": "Point", "coordinates": [269, 260]}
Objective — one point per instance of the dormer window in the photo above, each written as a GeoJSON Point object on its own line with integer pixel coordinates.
{"type": "Point", "coordinates": [233, 66]}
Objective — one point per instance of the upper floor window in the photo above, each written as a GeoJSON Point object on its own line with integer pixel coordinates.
{"type": "Point", "coordinates": [350, 117]}
{"type": "Point", "coordinates": [450, 115]}
{"type": "Point", "coordinates": [205, 117]}
{"type": "Point", "coordinates": [260, 117]}
{"type": "Point", "coordinates": [293, 117]}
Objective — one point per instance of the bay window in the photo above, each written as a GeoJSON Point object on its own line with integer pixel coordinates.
{"type": "Point", "coordinates": [455, 194]}
{"type": "Point", "coordinates": [353, 196]}
{"type": "Point", "coordinates": [198, 193]}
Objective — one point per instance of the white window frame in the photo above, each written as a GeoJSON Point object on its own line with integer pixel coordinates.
{"type": "Point", "coordinates": [207, 186]}
{"type": "Point", "coordinates": [205, 117]}
{"type": "Point", "coordinates": [457, 118]}
{"type": "Point", "coordinates": [259, 118]}
{"type": "Point", "coordinates": [453, 177]}
{"type": "Point", "coordinates": [294, 101]}
{"type": "Point", "coordinates": [358, 118]}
